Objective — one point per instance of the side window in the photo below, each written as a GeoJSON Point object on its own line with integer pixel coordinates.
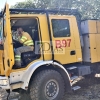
{"type": "Point", "coordinates": [61, 27]}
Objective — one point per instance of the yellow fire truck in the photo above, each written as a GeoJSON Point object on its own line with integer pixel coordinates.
{"type": "Point", "coordinates": [66, 49]}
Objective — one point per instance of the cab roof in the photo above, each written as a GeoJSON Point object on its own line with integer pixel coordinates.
{"type": "Point", "coordinates": [74, 12]}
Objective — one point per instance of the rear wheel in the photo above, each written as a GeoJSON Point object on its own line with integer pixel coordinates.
{"type": "Point", "coordinates": [47, 85]}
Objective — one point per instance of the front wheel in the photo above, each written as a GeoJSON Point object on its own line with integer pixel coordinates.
{"type": "Point", "coordinates": [47, 85]}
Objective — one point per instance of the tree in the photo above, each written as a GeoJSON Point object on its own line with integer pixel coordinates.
{"type": "Point", "coordinates": [88, 8]}
{"type": "Point", "coordinates": [27, 4]}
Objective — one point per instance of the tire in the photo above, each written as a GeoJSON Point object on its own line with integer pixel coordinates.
{"type": "Point", "coordinates": [47, 85]}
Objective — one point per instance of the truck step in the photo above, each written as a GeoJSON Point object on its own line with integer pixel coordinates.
{"type": "Point", "coordinates": [71, 68]}
{"type": "Point", "coordinates": [76, 88]}
{"type": "Point", "coordinates": [74, 77]}
{"type": "Point", "coordinates": [16, 84]}
{"type": "Point", "coordinates": [20, 82]}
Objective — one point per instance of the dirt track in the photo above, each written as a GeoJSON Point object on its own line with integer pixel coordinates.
{"type": "Point", "coordinates": [90, 91]}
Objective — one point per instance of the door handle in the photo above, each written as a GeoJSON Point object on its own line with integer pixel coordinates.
{"type": "Point", "coordinates": [73, 52]}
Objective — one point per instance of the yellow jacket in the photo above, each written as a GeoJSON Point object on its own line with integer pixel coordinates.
{"type": "Point", "coordinates": [26, 39]}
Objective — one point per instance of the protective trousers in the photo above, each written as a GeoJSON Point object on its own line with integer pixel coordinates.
{"type": "Point", "coordinates": [18, 52]}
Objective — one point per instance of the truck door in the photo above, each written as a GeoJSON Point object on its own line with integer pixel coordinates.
{"type": "Point", "coordinates": [63, 39]}
{"type": "Point", "coordinates": [8, 46]}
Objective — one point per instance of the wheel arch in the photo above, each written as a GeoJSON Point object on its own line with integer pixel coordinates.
{"type": "Point", "coordinates": [42, 65]}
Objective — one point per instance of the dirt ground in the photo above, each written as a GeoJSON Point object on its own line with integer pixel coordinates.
{"type": "Point", "coordinates": [90, 90]}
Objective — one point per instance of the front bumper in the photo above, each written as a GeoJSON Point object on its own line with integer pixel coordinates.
{"type": "Point", "coordinates": [4, 82]}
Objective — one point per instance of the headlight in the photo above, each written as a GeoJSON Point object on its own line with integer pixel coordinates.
{"type": "Point", "coordinates": [3, 82]}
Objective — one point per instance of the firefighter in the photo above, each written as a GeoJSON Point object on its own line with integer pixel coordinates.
{"type": "Point", "coordinates": [28, 45]}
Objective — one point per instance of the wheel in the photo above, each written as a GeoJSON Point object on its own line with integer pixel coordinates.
{"type": "Point", "coordinates": [47, 85]}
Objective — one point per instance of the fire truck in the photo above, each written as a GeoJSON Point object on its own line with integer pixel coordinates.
{"type": "Point", "coordinates": [66, 50]}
